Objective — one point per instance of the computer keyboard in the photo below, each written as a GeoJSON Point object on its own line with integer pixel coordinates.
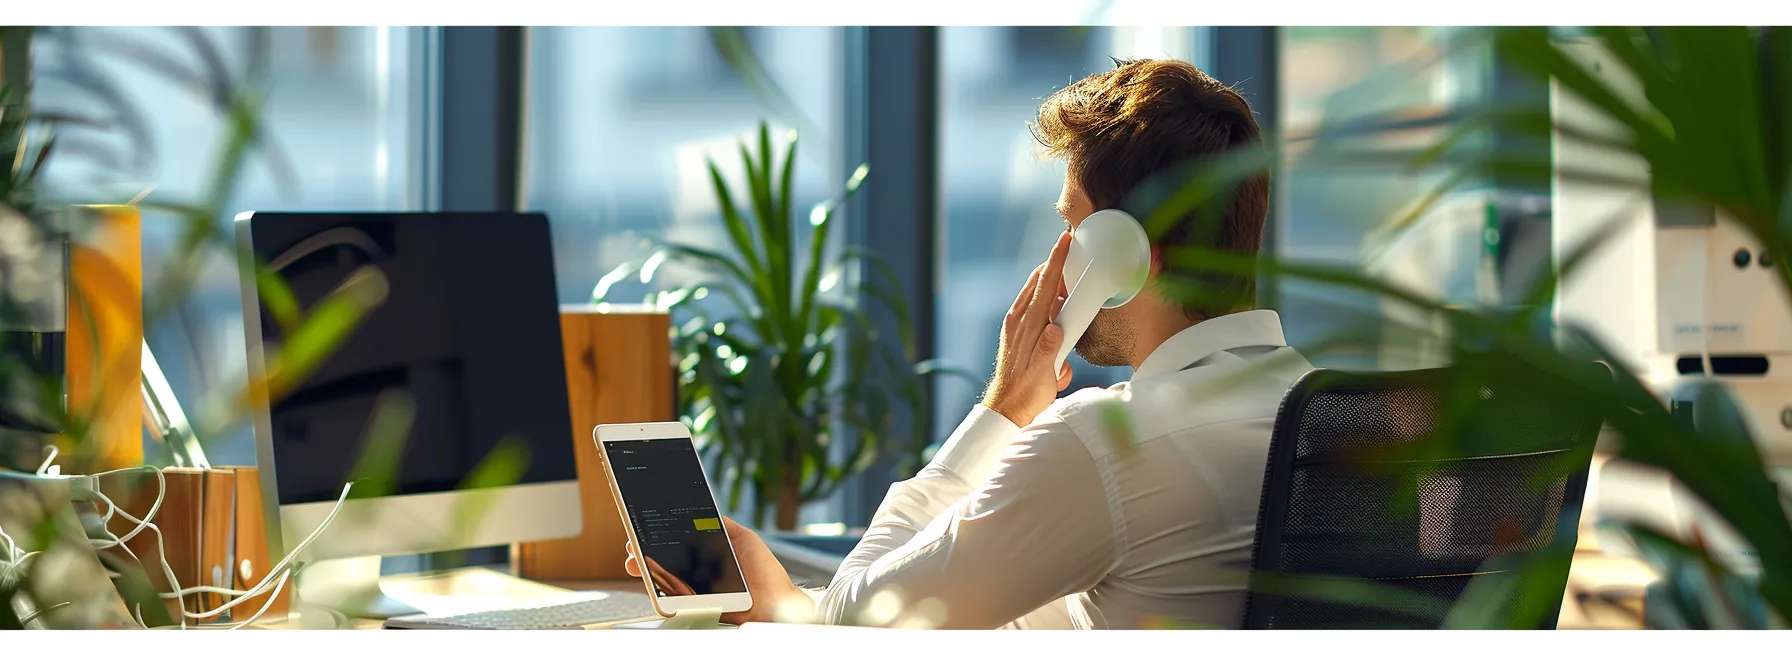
{"type": "Point", "coordinates": [613, 608]}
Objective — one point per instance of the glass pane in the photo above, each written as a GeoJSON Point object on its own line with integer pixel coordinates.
{"type": "Point", "coordinates": [998, 191]}
{"type": "Point", "coordinates": [622, 123]}
{"type": "Point", "coordinates": [1331, 75]}
{"type": "Point", "coordinates": [340, 104]}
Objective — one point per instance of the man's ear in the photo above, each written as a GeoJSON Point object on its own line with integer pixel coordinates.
{"type": "Point", "coordinates": [1153, 279]}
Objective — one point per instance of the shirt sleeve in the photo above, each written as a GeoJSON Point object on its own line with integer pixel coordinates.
{"type": "Point", "coordinates": [1055, 615]}
{"type": "Point", "coordinates": [1002, 522]}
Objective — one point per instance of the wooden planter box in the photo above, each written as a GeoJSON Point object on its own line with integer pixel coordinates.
{"type": "Point", "coordinates": [618, 369]}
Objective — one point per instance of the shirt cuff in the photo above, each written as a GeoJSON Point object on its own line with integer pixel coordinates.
{"type": "Point", "coordinates": [977, 444]}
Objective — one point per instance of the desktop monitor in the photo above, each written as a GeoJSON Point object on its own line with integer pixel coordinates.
{"type": "Point", "coordinates": [470, 329]}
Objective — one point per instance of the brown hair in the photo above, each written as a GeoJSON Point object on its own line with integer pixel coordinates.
{"type": "Point", "coordinates": [1118, 129]}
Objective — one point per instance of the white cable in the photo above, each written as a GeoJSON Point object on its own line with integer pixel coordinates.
{"type": "Point", "coordinates": [161, 549]}
{"type": "Point", "coordinates": [179, 594]}
{"type": "Point", "coordinates": [161, 493]}
{"type": "Point", "coordinates": [195, 590]}
{"type": "Point", "coordinates": [122, 547]}
{"type": "Point", "coordinates": [137, 608]}
{"type": "Point", "coordinates": [127, 550]}
{"type": "Point", "coordinates": [45, 467]}
{"type": "Point", "coordinates": [284, 562]}
{"type": "Point", "coordinates": [110, 509]}
{"type": "Point", "coordinates": [140, 467]}
{"type": "Point", "coordinates": [272, 596]}
{"type": "Point", "coordinates": [114, 541]}
{"type": "Point", "coordinates": [264, 606]}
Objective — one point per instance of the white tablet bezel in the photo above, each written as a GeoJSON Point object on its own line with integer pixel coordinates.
{"type": "Point", "coordinates": [645, 431]}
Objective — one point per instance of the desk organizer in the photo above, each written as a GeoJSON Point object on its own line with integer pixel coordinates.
{"type": "Point", "coordinates": [213, 534]}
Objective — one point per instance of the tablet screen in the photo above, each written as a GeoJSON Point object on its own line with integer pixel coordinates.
{"type": "Point", "coordinates": [684, 549]}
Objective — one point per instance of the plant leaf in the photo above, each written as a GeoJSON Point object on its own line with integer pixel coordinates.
{"type": "Point", "coordinates": [781, 205]}
{"type": "Point", "coordinates": [736, 227]}
{"type": "Point", "coordinates": [733, 269]}
{"type": "Point", "coordinates": [322, 331]}
{"type": "Point", "coordinates": [732, 44]}
{"type": "Point", "coordinates": [375, 473]}
{"type": "Point", "coordinates": [505, 465]}
{"type": "Point", "coordinates": [601, 293]}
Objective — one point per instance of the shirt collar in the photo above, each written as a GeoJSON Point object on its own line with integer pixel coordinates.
{"type": "Point", "coordinates": [1238, 330]}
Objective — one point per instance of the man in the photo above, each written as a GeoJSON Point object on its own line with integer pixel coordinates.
{"type": "Point", "coordinates": [1044, 513]}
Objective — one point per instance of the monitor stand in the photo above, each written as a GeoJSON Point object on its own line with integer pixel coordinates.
{"type": "Point", "coordinates": [350, 586]}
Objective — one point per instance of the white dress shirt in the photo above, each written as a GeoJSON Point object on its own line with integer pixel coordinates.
{"type": "Point", "coordinates": [1088, 518]}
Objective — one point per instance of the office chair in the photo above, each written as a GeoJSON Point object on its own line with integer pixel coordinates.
{"type": "Point", "coordinates": [1366, 483]}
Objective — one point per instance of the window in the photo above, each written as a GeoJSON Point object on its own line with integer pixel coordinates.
{"type": "Point", "coordinates": [614, 168]}
{"type": "Point", "coordinates": [343, 107]}
{"type": "Point", "coordinates": [681, 64]}
{"type": "Point", "coordinates": [997, 190]}
{"type": "Point", "coordinates": [1037, 54]}
{"type": "Point", "coordinates": [612, 174]}
{"type": "Point", "coordinates": [1333, 74]}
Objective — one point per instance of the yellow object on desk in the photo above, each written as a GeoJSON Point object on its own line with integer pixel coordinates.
{"type": "Point", "coordinates": [104, 353]}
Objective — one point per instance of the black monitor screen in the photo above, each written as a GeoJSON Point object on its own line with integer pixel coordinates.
{"type": "Point", "coordinates": [674, 516]}
{"type": "Point", "coordinates": [470, 328]}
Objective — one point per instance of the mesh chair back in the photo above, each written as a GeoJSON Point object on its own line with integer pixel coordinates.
{"type": "Point", "coordinates": [1383, 481]}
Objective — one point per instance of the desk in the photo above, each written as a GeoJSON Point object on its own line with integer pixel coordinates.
{"type": "Point", "coordinates": [1604, 593]}
{"type": "Point", "coordinates": [467, 587]}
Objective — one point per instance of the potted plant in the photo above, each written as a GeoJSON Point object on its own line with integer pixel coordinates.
{"type": "Point", "coordinates": [788, 368]}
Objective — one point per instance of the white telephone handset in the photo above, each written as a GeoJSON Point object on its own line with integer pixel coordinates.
{"type": "Point", "coordinates": [1108, 263]}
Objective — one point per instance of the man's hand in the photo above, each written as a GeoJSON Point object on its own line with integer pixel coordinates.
{"type": "Point", "coordinates": [1025, 384]}
{"type": "Point", "coordinates": [775, 598]}
{"type": "Point", "coordinates": [665, 581]}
